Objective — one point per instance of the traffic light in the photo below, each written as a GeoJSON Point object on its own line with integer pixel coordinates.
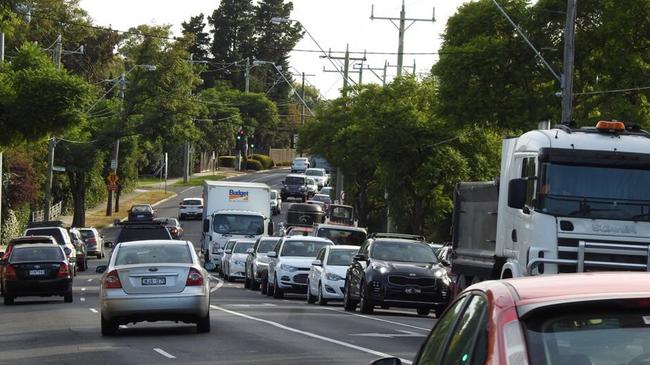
{"type": "Point", "coordinates": [241, 134]}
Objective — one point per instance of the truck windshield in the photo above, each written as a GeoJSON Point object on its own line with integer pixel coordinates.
{"type": "Point", "coordinates": [595, 192]}
{"type": "Point", "coordinates": [238, 224]}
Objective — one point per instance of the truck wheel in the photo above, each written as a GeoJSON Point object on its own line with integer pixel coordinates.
{"type": "Point", "coordinates": [423, 311]}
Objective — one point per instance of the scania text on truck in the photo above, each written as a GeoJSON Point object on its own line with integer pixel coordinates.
{"type": "Point", "coordinates": [233, 210]}
{"type": "Point", "coordinates": [568, 200]}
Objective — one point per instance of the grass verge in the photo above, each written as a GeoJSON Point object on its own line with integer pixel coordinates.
{"type": "Point", "coordinates": [198, 180]}
{"type": "Point", "coordinates": [100, 220]}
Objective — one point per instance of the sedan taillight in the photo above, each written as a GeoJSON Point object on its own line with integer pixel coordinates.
{"type": "Point", "coordinates": [194, 278]}
{"type": "Point", "coordinates": [10, 273]}
{"type": "Point", "coordinates": [63, 273]}
{"type": "Point", "coordinates": [112, 281]}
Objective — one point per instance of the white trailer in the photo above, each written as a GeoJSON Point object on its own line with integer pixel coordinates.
{"type": "Point", "coordinates": [233, 210]}
{"type": "Point", "coordinates": [569, 200]}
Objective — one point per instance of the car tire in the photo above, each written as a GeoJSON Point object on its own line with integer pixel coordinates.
{"type": "Point", "coordinates": [67, 298]}
{"type": "Point", "coordinates": [269, 288]}
{"type": "Point", "coordinates": [203, 324]}
{"type": "Point", "coordinates": [321, 300]}
{"type": "Point", "coordinates": [99, 256]}
{"type": "Point", "coordinates": [8, 299]}
{"type": "Point", "coordinates": [255, 285]}
{"type": "Point", "coordinates": [348, 304]}
{"type": "Point", "coordinates": [247, 282]}
{"type": "Point", "coordinates": [277, 292]}
{"type": "Point", "coordinates": [109, 327]}
{"type": "Point", "coordinates": [364, 306]}
{"type": "Point", "coordinates": [263, 286]}
{"type": "Point", "coordinates": [423, 311]}
{"type": "Point", "coordinates": [310, 298]}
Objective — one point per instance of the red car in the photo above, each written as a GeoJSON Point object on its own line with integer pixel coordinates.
{"type": "Point", "coordinates": [568, 319]}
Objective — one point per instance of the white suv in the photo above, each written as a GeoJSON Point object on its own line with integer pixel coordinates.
{"type": "Point", "coordinates": [300, 164]}
{"type": "Point", "coordinates": [319, 175]}
{"type": "Point", "coordinates": [190, 207]}
{"type": "Point", "coordinates": [289, 264]}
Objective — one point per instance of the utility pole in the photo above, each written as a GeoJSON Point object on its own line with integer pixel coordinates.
{"type": "Point", "coordinates": [58, 51]}
{"type": "Point", "coordinates": [569, 56]}
{"type": "Point", "coordinates": [2, 47]}
{"type": "Point", "coordinates": [382, 78]}
{"type": "Point", "coordinates": [402, 28]}
{"type": "Point", "coordinates": [116, 148]}
{"type": "Point", "coordinates": [247, 75]}
{"type": "Point", "coordinates": [50, 175]}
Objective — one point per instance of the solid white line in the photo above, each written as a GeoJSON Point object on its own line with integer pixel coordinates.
{"type": "Point", "coordinates": [89, 280]}
{"type": "Point", "coordinates": [164, 353]}
{"type": "Point", "coordinates": [309, 334]}
{"type": "Point", "coordinates": [93, 310]}
{"type": "Point", "coordinates": [83, 289]}
{"type": "Point", "coordinates": [82, 299]}
{"type": "Point", "coordinates": [378, 319]}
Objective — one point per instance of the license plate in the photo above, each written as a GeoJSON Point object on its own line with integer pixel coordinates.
{"type": "Point", "coordinates": [159, 280]}
{"type": "Point", "coordinates": [412, 291]}
{"type": "Point", "coordinates": [140, 216]}
{"type": "Point", "coordinates": [36, 272]}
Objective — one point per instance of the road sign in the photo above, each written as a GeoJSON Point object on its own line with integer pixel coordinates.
{"type": "Point", "coordinates": [112, 187]}
{"type": "Point", "coordinates": [112, 178]}
{"type": "Point", "coordinates": [58, 168]}
{"type": "Point", "coordinates": [113, 164]}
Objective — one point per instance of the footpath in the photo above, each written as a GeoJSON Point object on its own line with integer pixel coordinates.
{"type": "Point", "coordinates": [147, 192]}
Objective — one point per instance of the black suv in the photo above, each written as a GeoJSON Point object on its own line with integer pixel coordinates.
{"type": "Point", "coordinates": [393, 270]}
{"type": "Point", "coordinates": [141, 231]}
{"type": "Point", "coordinates": [295, 186]}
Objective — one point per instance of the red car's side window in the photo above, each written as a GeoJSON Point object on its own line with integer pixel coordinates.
{"type": "Point", "coordinates": [433, 348]}
{"type": "Point", "coordinates": [469, 332]}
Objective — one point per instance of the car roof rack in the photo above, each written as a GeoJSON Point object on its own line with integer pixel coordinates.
{"type": "Point", "coordinates": [414, 237]}
{"type": "Point", "coordinates": [45, 224]}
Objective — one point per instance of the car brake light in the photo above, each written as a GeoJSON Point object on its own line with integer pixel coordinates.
{"type": "Point", "coordinates": [194, 278]}
{"type": "Point", "coordinates": [91, 240]}
{"type": "Point", "coordinates": [6, 255]}
{"type": "Point", "coordinates": [515, 347]}
{"type": "Point", "coordinates": [10, 273]}
{"type": "Point", "coordinates": [63, 271]}
{"type": "Point", "coordinates": [112, 281]}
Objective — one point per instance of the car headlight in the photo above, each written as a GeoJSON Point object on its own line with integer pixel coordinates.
{"type": "Point", "coordinates": [333, 277]}
{"type": "Point", "coordinates": [382, 269]}
{"type": "Point", "coordinates": [288, 268]}
{"type": "Point", "coordinates": [438, 273]}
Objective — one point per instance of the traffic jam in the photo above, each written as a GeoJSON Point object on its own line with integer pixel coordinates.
{"type": "Point", "coordinates": [533, 275]}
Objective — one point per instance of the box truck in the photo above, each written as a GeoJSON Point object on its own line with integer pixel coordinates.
{"type": "Point", "coordinates": [568, 200]}
{"type": "Point", "coordinates": [233, 210]}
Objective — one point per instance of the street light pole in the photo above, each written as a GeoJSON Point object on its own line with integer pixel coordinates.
{"type": "Point", "coordinates": [569, 56]}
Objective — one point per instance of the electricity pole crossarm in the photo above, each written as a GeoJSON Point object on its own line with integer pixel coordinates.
{"type": "Point", "coordinates": [302, 106]}
{"type": "Point", "coordinates": [381, 78]}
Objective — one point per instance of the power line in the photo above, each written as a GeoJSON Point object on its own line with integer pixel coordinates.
{"type": "Point", "coordinates": [382, 52]}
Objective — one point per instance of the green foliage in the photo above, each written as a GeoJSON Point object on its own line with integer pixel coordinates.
{"type": "Point", "coordinates": [199, 45]}
{"type": "Point", "coordinates": [227, 161]}
{"type": "Point", "coordinates": [254, 165]}
{"type": "Point", "coordinates": [266, 161]}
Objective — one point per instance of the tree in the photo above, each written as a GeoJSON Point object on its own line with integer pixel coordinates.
{"type": "Point", "coordinates": [199, 45]}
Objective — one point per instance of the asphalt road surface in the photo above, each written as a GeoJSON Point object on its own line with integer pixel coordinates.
{"type": "Point", "coordinates": [247, 327]}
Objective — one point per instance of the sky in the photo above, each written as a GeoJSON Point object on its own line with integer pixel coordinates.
{"type": "Point", "coordinates": [333, 24]}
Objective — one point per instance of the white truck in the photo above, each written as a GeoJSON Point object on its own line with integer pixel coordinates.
{"type": "Point", "coordinates": [568, 200]}
{"type": "Point", "coordinates": [233, 210]}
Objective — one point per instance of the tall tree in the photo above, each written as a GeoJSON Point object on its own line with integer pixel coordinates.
{"type": "Point", "coordinates": [233, 32]}
{"type": "Point", "coordinates": [199, 45]}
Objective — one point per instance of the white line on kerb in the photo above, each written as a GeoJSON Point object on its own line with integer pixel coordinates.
{"type": "Point", "coordinates": [378, 319]}
{"type": "Point", "coordinates": [309, 334]}
{"type": "Point", "coordinates": [93, 310]}
{"type": "Point", "coordinates": [83, 289]}
{"type": "Point", "coordinates": [164, 353]}
{"type": "Point", "coordinates": [186, 190]}
{"type": "Point", "coordinates": [89, 280]}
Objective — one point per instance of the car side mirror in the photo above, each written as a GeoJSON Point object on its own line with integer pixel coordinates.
{"type": "Point", "coordinates": [359, 257]}
{"type": "Point", "coordinates": [272, 254]}
{"type": "Point", "coordinates": [317, 263]}
{"type": "Point", "coordinates": [206, 225]}
{"type": "Point", "coordinates": [270, 228]}
{"type": "Point", "coordinates": [445, 262]}
{"type": "Point", "coordinates": [387, 361]}
{"type": "Point", "coordinates": [109, 244]}
{"type": "Point", "coordinates": [101, 269]}
{"type": "Point", "coordinates": [517, 193]}
{"type": "Point", "coordinates": [67, 251]}
{"type": "Point", "coordinates": [228, 252]}
{"type": "Point", "coordinates": [250, 250]}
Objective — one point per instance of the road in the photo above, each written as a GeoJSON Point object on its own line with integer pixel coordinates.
{"type": "Point", "coordinates": [247, 328]}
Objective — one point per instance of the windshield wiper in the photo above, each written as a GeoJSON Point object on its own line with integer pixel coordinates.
{"type": "Point", "coordinates": [587, 209]}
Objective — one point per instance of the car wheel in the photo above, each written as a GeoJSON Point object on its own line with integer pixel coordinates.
{"type": "Point", "coordinates": [310, 298]}
{"type": "Point", "coordinates": [424, 311]}
{"type": "Point", "coordinates": [247, 282]}
{"type": "Point", "coordinates": [109, 327]}
{"type": "Point", "coordinates": [99, 256]}
{"type": "Point", "coordinates": [67, 298]}
{"type": "Point", "coordinates": [321, 300]}
{"type": "Point", "coordinates": [263, 286]}
{"type": "Point", "coordinates": [8, 299]}
{"type": "Point", "coordinates": [203, 324]}
{"type": "Point", "coordinates": [269, 288]}
{"type": "Point", "coordinates": [348, 304]}
{"type": "Point", "coordinates": [364, 306]}
{"type": "Point", "coordinates": [277, 292]}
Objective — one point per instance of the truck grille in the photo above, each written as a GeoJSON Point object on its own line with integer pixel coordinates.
{"type": "Point", "coordinates": [300, 278]}
{"type": "Point", "coordinates": [405, 280]}
{"type": "Point", "coordinates": [623, 256]}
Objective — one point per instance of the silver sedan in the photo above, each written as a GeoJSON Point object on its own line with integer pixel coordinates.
{"type": "Point", "coordinates": [159, 280]}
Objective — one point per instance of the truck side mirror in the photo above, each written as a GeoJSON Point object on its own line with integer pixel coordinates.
{"type": "Point", "coordinates": [270, 229]}
{"type": "Point", "coordinates": [517, 193]}
{"type": "Point", "coordinates": [206, 225]}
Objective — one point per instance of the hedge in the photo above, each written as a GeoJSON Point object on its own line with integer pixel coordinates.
{"type": "Point", "coordinates": [227, 161]}
{"type": "Point", "coordinates": [254, 165]}
{"type": "Point", "coordinates": [265, 160]}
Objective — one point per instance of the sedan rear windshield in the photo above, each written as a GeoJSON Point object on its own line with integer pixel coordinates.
{"type": "Point", "coordinates": [241, 247]}
{"type": "Point", "coordinates": [54, 232]}
{"type": "Point", "coordinates": [608, 337]}
{"type": "Point", "coordinates": [403, 251]}
{"type": "Point", "coordinates": [341, 257]}
{"type": "Point", "coordinates": [192, 202]}
{"type": "Point", "coordinates": [302, 248]}
{"type": "Point", "coordinates": [141, 209]}
{"type": "Point", "coordinates": [87, 233]}
{"type": "Point", "coordinates": [153, 254]}
{"type": "Point", "coordinates": [315, 173]}
{"type": "Point", "coordinates": [143, 234]}
{"type": "Point", "coordinates": [32, 254]}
